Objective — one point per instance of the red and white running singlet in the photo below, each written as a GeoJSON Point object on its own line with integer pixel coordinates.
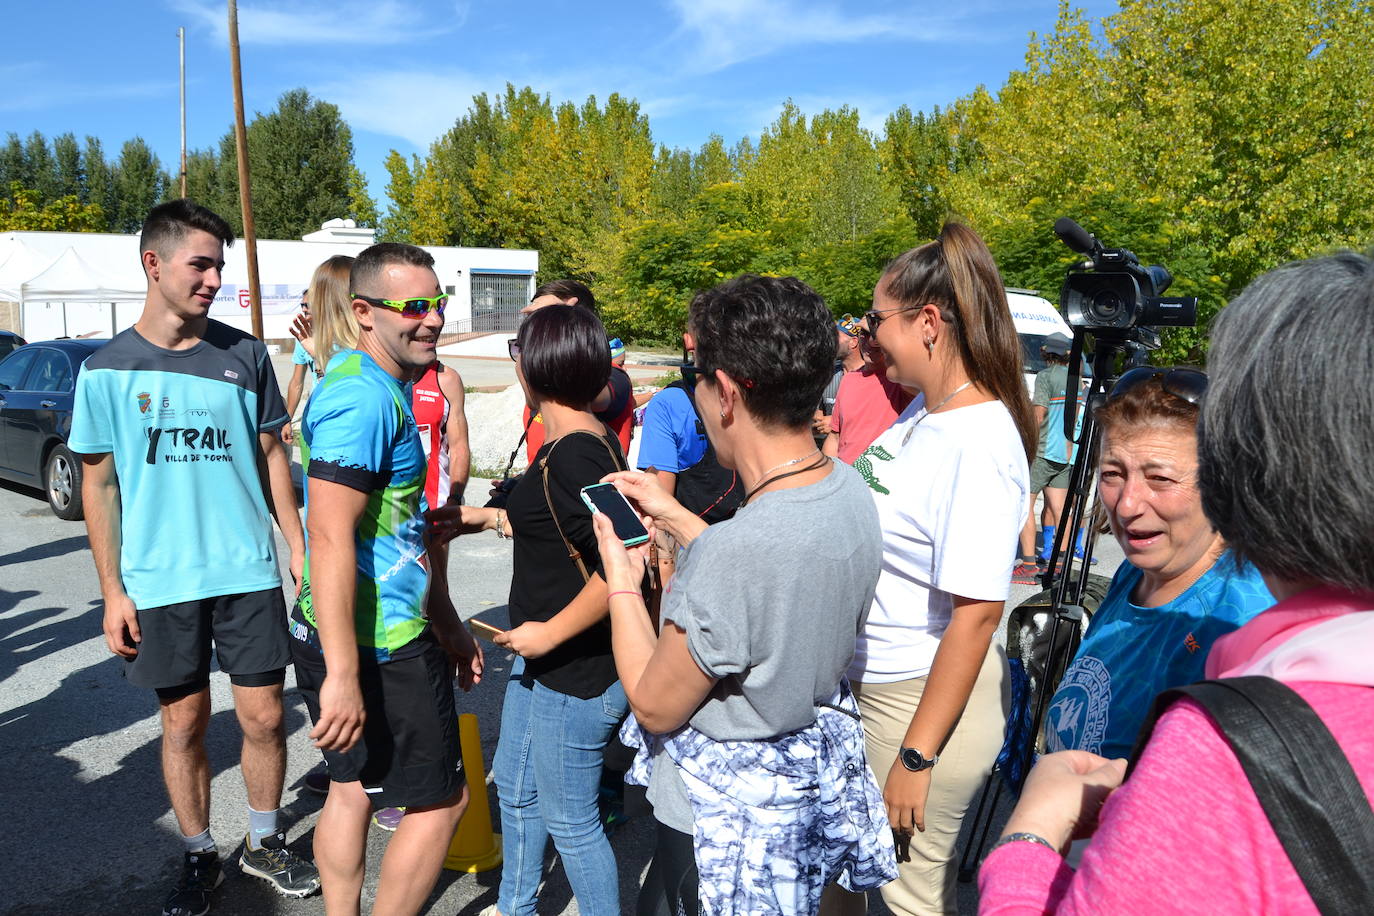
{"type": "Point", "coordinates": [431, 416]}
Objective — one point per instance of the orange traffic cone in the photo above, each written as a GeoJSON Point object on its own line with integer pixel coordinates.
{"type": "Point", "coordinates": [474, 847]}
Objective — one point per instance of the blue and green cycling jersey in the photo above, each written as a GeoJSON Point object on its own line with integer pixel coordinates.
{"type": "Point", "coordinates": [359, 431]}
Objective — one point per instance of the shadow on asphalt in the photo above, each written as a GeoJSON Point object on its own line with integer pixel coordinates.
{"type": "Point", "coordinates": [44, 551]}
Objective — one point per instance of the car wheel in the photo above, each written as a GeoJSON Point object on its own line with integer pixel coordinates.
{"type": "Point", "coordinates": [62, 481]}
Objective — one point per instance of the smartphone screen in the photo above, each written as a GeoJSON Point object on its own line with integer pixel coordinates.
{"type": "Point", "coordinates": [605, 498]}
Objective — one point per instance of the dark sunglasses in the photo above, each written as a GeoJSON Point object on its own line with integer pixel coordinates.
{"type": "Point", "coordinates": [513, 348]}
{"type": "Point", "coordinates": [416, 309]}
{"type": "Point", "coordinates": [691, 375]}
{"type": "Point", "coordinates": [1186, 384]}
{"type": "Point", "coordinates": [875, 317]}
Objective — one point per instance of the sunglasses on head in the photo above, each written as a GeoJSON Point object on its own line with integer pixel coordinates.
{"type": "Point", "coordinates": [1186, 384]}
{"type": "Point", "coordinates": [410, 308]}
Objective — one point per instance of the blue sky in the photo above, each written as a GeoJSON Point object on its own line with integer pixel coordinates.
{"type": "Point", "coordinates": [402, 71]}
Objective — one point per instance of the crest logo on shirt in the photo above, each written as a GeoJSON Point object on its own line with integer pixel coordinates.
{"type": "Point", "coordinates": [145, 401]}
{"type": "Point", "coordinates": [1191, 644]}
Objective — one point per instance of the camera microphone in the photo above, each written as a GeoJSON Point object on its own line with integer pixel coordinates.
{"type": "Point", "coordinates": [1076, 237]}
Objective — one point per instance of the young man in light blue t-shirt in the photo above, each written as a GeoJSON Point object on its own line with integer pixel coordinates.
{"type": "Point", "coordinates": [177, 419]}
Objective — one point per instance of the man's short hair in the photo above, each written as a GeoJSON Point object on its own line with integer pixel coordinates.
{"type": "Point", "coordinates": [369, 266]}
{"type": "Point", "coordinates": [565, 290]}
{"type": "Point", "coordinates": [167, 224]}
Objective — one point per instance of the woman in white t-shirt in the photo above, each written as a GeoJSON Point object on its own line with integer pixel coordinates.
{"type": "Point", "coordinates": [950, 479]}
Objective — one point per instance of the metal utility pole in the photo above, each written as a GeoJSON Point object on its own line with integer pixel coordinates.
{"type": "Point", "coordinates": [181, 40]}
{"type": "Point", "coordinates": [245, 190]}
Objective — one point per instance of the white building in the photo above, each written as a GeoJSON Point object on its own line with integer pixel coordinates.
{"type": "Point", "coordinates": [65, 284]}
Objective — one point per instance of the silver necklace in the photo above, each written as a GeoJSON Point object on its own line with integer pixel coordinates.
{"type": "Point", "coordinates": [912, 428]}
{"type": "Point", "coordinates": [788, 464]}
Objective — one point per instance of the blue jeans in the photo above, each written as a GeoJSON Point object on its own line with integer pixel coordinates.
{"type": "Point", "coordinates": [547, 773]}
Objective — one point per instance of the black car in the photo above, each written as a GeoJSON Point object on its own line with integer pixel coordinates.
{"type": "Point", "coordinates": [37, 385]}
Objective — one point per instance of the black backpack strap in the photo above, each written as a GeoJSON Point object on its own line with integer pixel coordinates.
{"type": "Point", "coordinates": [1303, 780]}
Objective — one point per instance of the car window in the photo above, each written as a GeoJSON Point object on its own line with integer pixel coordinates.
{"type": "Point", "coordinates": [52, 371]}
{"type": "Point", "coordinates": [15, 367]}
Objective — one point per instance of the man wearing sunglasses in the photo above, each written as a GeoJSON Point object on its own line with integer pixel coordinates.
{"type": "Point", "coordinates": [376, 636]}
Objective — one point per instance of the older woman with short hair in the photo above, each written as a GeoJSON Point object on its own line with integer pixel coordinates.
{"type": "Point", "coordinates": [1179, 589]}
{"type": "Point", "coordinates": [1283, 449]}
{"type": "Point", "coordinates": [758, 777]}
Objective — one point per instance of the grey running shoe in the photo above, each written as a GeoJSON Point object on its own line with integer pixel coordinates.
{"type": "Point", "coordinates": [283, 869]}
{"type": "Point", "coordinates": [200, 875]}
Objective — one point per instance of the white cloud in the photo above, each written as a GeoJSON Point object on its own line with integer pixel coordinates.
{"type": "Point", "coordinates": [731, 31]}
{"type": "Point", "coordinates": [311, 22]}
{"type": "Point", "coordinates": [417, 105]}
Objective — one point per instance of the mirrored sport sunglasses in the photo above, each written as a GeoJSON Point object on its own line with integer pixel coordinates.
{"type": "Point", "coordinates": [1187, 384]}
{"type": "Point", "coordinates": [410, 308]}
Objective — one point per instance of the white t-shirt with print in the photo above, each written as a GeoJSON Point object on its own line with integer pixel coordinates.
{"type": "Point", "coordinates": [951, 492]}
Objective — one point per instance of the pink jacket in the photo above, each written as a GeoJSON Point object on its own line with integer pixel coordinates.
{"type": "Point", "coordinates": [1186, 833]}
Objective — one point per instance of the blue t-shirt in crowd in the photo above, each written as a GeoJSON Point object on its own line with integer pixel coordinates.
{"type": "Point", "coordinates": [183, 428]}
{"type": "Point", "coordinates": [1132, 653]}
{"type": "Point", "coordinates": [359, 431]}
{"type": "Point", "coordinates": [672, 438]}
{"type": "Point", "coordinates": [301, 356]}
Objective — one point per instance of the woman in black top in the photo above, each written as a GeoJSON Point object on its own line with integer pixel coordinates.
{"type": "Point", "coordinates": [563, 701]}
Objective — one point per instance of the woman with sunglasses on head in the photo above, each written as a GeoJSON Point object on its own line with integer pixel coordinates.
{"type": "Point", "coordinates": [950, 479]}
{"type": "Point", "coordinates": [750, 739]}
{"type": "Point", "coordinates": [1179, 588]}
{"type": "Point", "coordinates": [1283, 448]}
{"type": "Point", "coordinates": [563, 700]}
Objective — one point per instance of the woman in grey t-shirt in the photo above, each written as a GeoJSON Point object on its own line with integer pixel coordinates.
{"type": "Point", "coordinates": [749, 738]}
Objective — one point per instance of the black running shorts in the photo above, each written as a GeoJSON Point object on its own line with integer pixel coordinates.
{"type": "Point", "coordinates": [248, 632]}
{"type": "Point", "coordinates": [409, 754]}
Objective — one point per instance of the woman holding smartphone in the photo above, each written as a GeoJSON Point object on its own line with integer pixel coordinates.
{"type": "Point", "coordinates": [563, 700]}
{"type": "Point", "coordinates": [750, 741]}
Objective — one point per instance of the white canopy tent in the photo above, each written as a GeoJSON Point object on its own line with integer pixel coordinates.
{"type": "Point", "coordinates": [20, 263]}
{"type": "Point", "coordinates": [72, 298]}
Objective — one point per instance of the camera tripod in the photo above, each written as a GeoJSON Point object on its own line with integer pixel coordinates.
{"type": "Point", "coordinates": [1067, 585]}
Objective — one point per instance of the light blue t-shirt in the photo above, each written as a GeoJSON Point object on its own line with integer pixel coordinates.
{"type": "Point", "coordinates": [359, 431]}
{"type": "Point", "coordinates": [1050, 393]}
{"type": "Point", "coordinates": [301, 357]}
{"type": "Point", "coordinates": [672, 438]}
{"type": "Point", "coordinates": [183, 428]}
{"type": "Point", "coordinates": [1132, 653]}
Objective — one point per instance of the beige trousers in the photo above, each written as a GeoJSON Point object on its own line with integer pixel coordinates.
{"type": "Point", "coordinates": [926, 884]}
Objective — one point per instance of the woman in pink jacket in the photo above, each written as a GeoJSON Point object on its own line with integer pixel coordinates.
{"type": "Point", "coordinates": [1284, 454]}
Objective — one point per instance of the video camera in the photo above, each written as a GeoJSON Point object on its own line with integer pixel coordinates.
{"type": "Point", "coordinates": [1112, 294]}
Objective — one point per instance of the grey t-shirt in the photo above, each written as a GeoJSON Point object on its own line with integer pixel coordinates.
{"type": "Point", "coordinates": [772, 602]}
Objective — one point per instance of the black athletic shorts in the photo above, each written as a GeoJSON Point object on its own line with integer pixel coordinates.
{"type": "Point", "coordinates": [248, 632]}
{"type": "Point", "coordinates": [409, 754]}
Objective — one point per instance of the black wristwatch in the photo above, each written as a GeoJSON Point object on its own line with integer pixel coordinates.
{"type": "Point", "coordinates": [915, 761]}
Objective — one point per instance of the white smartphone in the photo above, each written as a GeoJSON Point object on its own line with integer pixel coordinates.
{"type": "Point", "coordinates": [605, 498]}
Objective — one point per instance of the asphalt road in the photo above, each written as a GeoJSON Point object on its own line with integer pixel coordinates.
{"type": "Point", "coordinates": [89, 829]}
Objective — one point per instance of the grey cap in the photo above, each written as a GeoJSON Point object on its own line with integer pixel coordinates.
{"type": "Point", "coordinates": [1057, 344]}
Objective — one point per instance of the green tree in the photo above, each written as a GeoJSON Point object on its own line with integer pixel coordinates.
{"type": "Point", "coordinates": [361, 207]}
{"type": "Point", "coordinates": [13, 166]}
{"type": "Point", "coordinates": [399, 221]}
{"type": "Point", "coordinates": [71, 179]}
{"type": "Point", "coordinates": [99, 179]}
{"type": "Point", "coordinates": [42, 170]}
{"type": "Point", "coordinates": [138, 182]}
{"type": "Point", "coordinates": [22, 210]}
